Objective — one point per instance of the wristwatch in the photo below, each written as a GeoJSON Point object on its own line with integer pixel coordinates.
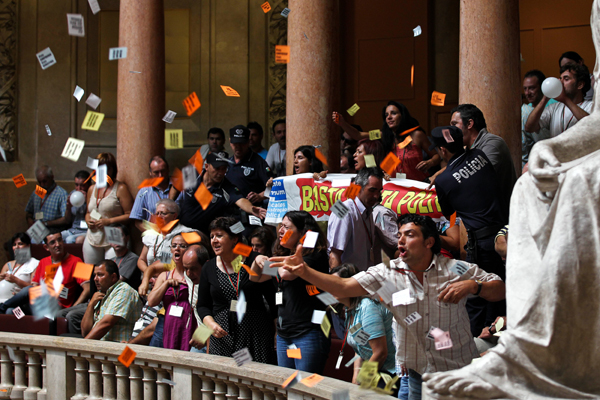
{"type": "Point", "coordinates": [479, 286]}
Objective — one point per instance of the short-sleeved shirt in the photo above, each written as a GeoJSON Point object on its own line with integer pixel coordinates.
{"type": "Point", "coordinates": [128, 269]}
{"type": "Point", "coordinates": [145, 202]}
{"type": "Point", "coordinates": [414, 349]}
{"type": "Point", "coordinates": [276, 159]}
{"type": "Point", "coordinates": [376, 321]}
{"type": "Point", "coordinates": [225, 195]}
{"type": "Point", "coordinates": [120, 301]}
{"type": "Point", "coordinates": [353, 235]}
{"type": "Point", "coordinates": [250, 174]}
{"type": "Point", "coordinates": [72, 286]}
{"type": "Point", "coordinates": [557, 117]}
{"type": "Point", "coordinates": [54, 204]}
{"type": "Point", "coordinates": [469, 186]}
{"type": "Point", "coordinates": [528, 139]}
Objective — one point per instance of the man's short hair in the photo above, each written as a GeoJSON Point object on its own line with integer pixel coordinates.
{"type": "Point", "coordinates": [279, 121]}
{"type": "Point", "coordinates": [571, 55]}
{"type": "Point", "coordinates": [469, 111]}
{"type": "Point", "coordinates": [82, 174]}
{"type": "Point", "coordinates": [535, 73]}
{"type": "Point", "coordinates": [201, 254]}
{"type": "Point", "coordinates": [257, 126]}
{"type": "Point", "coordinates": [216, 130]}
{"type": "Point", "coordinates": [362, 178]}
{"type": "Point", "coordinates": [45, 169]}
{"type": "Point", "coordinates": [171, 205]}
{"type": "Point", "coordinates": [427, 226]}
{"type": "Point", "coordinates": [111, 267]}
{"type": "Point", "coordinates": [157, 158]}
{"type": "Point", "coordinates": [52, 232]}
{"type": "Point", "coordinates": [581, 74]}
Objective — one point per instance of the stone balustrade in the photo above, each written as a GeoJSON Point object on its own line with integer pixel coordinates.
{"type": "Point", "coordinates": [60, 368]}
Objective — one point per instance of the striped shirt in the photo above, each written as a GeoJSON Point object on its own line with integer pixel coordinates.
{"type": "Point", "coordinates": [415, 350]}
{"type": "Point", "coordinates": [120, 301]}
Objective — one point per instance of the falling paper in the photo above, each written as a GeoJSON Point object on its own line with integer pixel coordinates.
{"type": "Point", "coordinates": [285, 12]}
{"type": "Point", "coordinates": [402, 297]}
{"type": "Point", "coordinates": [417, 31]}
{"type": "Point", "coordinates": [94, 6]}
{"type": "Point", "coordinates": [114, 235]}
{"type": "Point", "coordinates": [240, 308]}
{"type": "Point", "coordinates": [282, 54]}
{"type": "Point", "coordinates": [101, 175]}
{"type": "Point", "coordinates": [46, 58]}
{"type": "Point", "coordinates": [189, 177]}
{"type": "Point", "coordinates": [412, 318]}
{"type": "Point", "coordinates": [48, 131]}
{"type": "Point", "coordinates": [341, 182]}
{"type": "Point", "coordinates": [168, 382]}
{"type": "Point", "coordinates": [327, 298]}
{"type": "Point", "coordinates": [92, 121]}
{"type": "Point", "coordinates": [339, 209]}
{"type": "Point", "coordinates": [127, 357]}
{"type": "Point", "coordinates": [173, 139]}
{"type": "Point", "coordinates": [442, 339]}
{"type": "Point", "coordinates": [386, 291]}
{"type": "Point", "coordinates": [353, 110]}
{"type": "Point", "coordinates": [349, 363]}
{"type": "Point", "coordinates": [116, 53]}
{"type": "Point", "coordinates": [236, 228]}
{"type": "Point", "coordinates": [169, 117]}
{"type": "Point", "coordinates": [459, 268]}
{"type": "Point", "coordinates": [202, 333]}
{"type": "Point", "coordinates": [341, 395]}
{"type": "Point", "coordinates": [19, 181]}
{"type": "Point", "coordinates": [92, 163]}
{"type": "Point", "coordinates": [93, 101]}
{"type": "Point", "coordinates": [370, 161]}
{"type": "Point", "coordinates": [58, 279]}
{"type": "Point", "coordinates": [269, 271]}
{"type": "Point", "coordinates": [317, 317]}
{"type": "Point", "coordinates": [78, 93]}
{"type": "Point", "coordinates": [76, 27]}
{"type": "Point", "coordinates": [311, 240]}
{"type": "Point", "coordinates": [242, 356]}
{"type": "Point", "coordinates": [18, 312]}
{"type": "Point", "coordinates": [23, 255]}
{"type": "Point", "coordinates": [11, 353]}
{"type": "Point", "coordinates": [254, 220]}
{"type": "Point", "coordinates": [38, 231]}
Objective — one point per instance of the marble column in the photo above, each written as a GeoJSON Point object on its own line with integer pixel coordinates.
{"type": "Point", "coordinates": [313, 79]}
{"type": "Point", "coordinates": [489, 74]}
{"type": "Point", "coordinates": [141, 96]}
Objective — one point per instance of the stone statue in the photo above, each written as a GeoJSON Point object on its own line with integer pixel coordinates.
{"type": "Point", "coordinates": [552, 345]}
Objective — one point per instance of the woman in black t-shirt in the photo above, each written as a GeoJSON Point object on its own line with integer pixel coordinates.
{"type": "Point", "coordinates": [295, 304]}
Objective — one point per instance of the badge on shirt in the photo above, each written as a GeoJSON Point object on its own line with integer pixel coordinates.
{"type": "Point", "coordinates": [64, 293]}
{"type": "Point", "coordinates": [176, 311]}
{"type": "Point", "coordinates": [362, 337]}
{"type": "Point", "coordinates": [233, 307]}
{"type": "Point", "coordinates": [355, 328]}
{"type": "Point", "coordinates": [39, 215]}
{"type": "Point", "coordinates": [278, 298]}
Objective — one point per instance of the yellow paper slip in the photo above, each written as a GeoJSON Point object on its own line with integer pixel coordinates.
{"type": "Point", "coordinates": [92, 121]}
{"type": "Point", "coordinates": [202, 333]}
{"type": "Point", "coordinates": [173, 139]}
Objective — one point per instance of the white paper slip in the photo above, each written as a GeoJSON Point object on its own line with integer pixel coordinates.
{"type": "Point", "coordinates": [310, 240]}
{"type": "Point", "coordinates": [386, 291]}
{"type": "Point", "coordinates": [254, 220]}
{"type": "Point", "coordinates": [341, 395]}
{"type": "Point", "coordinates": [95, 215]}
{"type": "Point", "coordinates": [83, 224]}
{"type": "Point", "coordinates": [94, 6]}
{"type": "Point", "coordinates": [242, 356]}
{"type": "Point", "coordinates": [189, 177]}
{"type": "Point", "coordinates": [139, 325]}
{"type": "Point", "coordinates": [317, 317]}
{"type": "Point", "coordinates": [267, 192]}
{"type": "Point", "coordinates": [48, 131]}
{"type": "Point", "coordinates": [176, 311]}
{"type": "Point", "coordinates": [349, 363]}
{"type": "Point", "coordinates": [76, 27]}
{"type": "Point", "coordinates": [341, 182]}
{"type": "Point", "coordinates": [285, 12]}
{"type": "Point", "coordinates": [78, 93]}
{"type": "Point", "coordinates": [11, 352]}
{"type": "Point", "coordinates": [417, 31]}
{"type": "Point", "coordinates": [412, 318]}
{"type": "Point", "coordinates": [459, 268]}
{"type": "Point", "coordinates": [292, 346]}
{"type": "Point", "coordinates": [339, 209]}
{"type": "Point", "coordinates": [18, 312]}
{"type": "Point", "coordinates": [92, 163]}
{"type": "Point", "coordinates": [402, 298]}
{"type": "Point", "coordinates": [236, 228]}
{"type": "Point", "coordinates": [327, 298]}
{"type": "Point", "coordinates": [93, 101]}
{"type": "Point", "coordinates": [240, 307]}
{"type": "Point", "coordinates": [362, 337]}
{"type": "Point", "coordinates": [116, 53]}
{"type": "Point", "coordinates": [46, 58]}
{"type": "Point", "coordinates": [22, 255]}
{"type": "Point", "coordinates": [278, 298]}
{"type": "Point", "coordinates": [58, 278]}
{"type": "Point", "coordinates": [169, 117]}
{"type": "Point", "coordinates": [269, 271]}
{"type": "Point", "coordinates": [38, 231]}
{"type": "Point", "coordinates": [114, 235]}
{"type": "Point", "coordinates": [73, 149]}
{"type": "Point", "coordinates": [400, 175]}
{"type": "Point", "coordinates": [101, 174]}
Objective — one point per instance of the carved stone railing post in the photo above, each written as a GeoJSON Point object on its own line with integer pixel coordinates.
{"type": "Point", "coordinates": [34, 367]}
{"type": "Point", "coordinates": [81, 379]}
{"type": "Point", "coordinates": [136, 383]}
{"type": "Point", "coordinates": [220, 389]}
{"type": "Point", "coordinates": [42, 394]}
{"type": "Point", "coordinates": [95, 374]}
{"type": "Point", "coordinates": [149, 383]}
{"type": "Point", "coordinates": [20, 375]}
{"type": "Point", "coordinates": [109, 380]}
{"type": "Point", "coordinates": [6, 374]}
{"type": "Point", "coordinates": [208, 388]}
{"type": "Point", "coordinates": [123, 388]}
{"type": "Point", "coordinates": [268, 394]}
{"type": "Point", "coordinates": [188, 384]}
{"type": "Point", "coordinates": [257, 394]}
{"type": "Point", "coordinates": [232, 390]}
{"type": "Point", "coordinates": [279, 396]}
{"type": "Point", "coordinates": [163, 388]}
{"type": "Point", "coordinates": [245, 393]}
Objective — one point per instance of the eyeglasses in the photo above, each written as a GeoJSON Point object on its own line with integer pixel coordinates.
{"type": "Point", "coordinates": [181, 246]}
{"type": "Point", "coordinates": [164, 214]}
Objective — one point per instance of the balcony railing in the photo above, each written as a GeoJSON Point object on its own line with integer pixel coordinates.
{"type": "Point", "coordinates": [58, 368]}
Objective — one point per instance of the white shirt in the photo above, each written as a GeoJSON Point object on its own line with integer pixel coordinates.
{"type": "Point", "coordinates": [414, 350]}
{"type": "Point", "coordinates": [24, 272]}
{"type": "Point", "coordinates": [558, 118]}
{"type": "Point", "coordinates": [276, 159]}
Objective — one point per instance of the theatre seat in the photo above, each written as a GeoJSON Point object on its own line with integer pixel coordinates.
{"type": "Point", "coordinates": [38, 251]}
{"type": "Point", "coordinates": [344, 373]}
{"type": "Point", "coordinates": [27, 324]}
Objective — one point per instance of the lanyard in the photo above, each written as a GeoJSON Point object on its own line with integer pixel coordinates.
{"type": "Point", "coordinates": [98, 200]}
{"type": "Point", "coordinates": [364, 224]}
{"type": "Point", "coordinates": [346, 334]}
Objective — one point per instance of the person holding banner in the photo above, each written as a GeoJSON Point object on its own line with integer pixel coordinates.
{"type": "Point", "coordinates": [305, 160]}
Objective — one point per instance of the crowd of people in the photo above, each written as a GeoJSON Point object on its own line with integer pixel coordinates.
{"type": "Point", "coordinates": [394, 277]}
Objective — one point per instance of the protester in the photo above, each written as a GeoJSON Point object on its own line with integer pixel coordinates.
{"type": "Point", "coordinates": [193, 261]}
{"type": "Point", "coordinates": [52, 207]}
{"type": "Point", "coordinates": [276, 154]}
{"type": "Point", "coordinates": [306, 161]}
{"type": "Point", "coordinates": [76, 215]}
{"type": "Point", "coordinates": [17, 274]}
{"type": "Point", "coordinates": [144, 206]}
{"type": "Point", "coordinates": [216, 142]}
{"type": "Point", "coordinates": [126, 259]}
{"type": "Point", "coordinates": [262, 240]}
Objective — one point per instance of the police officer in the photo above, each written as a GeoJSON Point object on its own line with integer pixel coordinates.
{"type": "Point", "coordinates": [469, 186]}
{"type": "Point", "coordinates": [249, 171]}
{"type": "Point", "coordinates": [225, 196]}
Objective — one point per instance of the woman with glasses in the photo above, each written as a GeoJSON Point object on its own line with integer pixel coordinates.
{"type": "Point", "coordinates": [172, 290]}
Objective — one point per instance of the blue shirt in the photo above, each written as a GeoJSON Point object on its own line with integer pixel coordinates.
{"type": "Point", "coordinates": [145, 202]}
{"type": "Point", "coordinates": [263, 153]}
{"type": "Point", "coordinates": [376, 321]}
{"type": "Point", "coordinates": [53, 206]}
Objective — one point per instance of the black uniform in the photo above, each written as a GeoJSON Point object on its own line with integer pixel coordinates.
{"type": "Point", "coordinates": [225, 195]}
{"type": "Point", "coordinates": [470, 186]}
{"type": "Point", "coordinates": [250, 174]}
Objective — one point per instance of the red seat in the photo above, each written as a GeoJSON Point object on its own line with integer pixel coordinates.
{"type": "Point", "coordinates": [38, 251]}
{"type": "Point", "coordinates": [27, 324]}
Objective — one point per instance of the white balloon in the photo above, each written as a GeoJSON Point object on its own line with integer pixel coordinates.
{"type": "Point", "coordinates": [77, 199]}
{"type": "Point", "coordinates": [552, 87]}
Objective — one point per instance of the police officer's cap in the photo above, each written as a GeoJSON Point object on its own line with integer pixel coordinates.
{"type": "Point", "coordinates": [443, 135]}
{"type": "Point", "coordinates": [239, 134]}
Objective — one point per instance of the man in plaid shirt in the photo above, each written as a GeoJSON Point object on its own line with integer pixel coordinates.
{"type": "Point", "coordinates": [113, 309]}
{"type": "Point", "coordinates": [51, 209]}
{"type": "Point", "coordinates": [423, 283]}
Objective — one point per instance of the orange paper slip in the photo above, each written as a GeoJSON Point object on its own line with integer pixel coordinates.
{"type": "Point", "coordinates": [320, 156]}
{"type": "Point", "coordinates": [294, 353]}
{"type": "Point", "coordinates": [19, 181]}
{"type": "Point", "coordinates": [191, 237]}
{"type": "Point", "coordinates": [249, 270]}
{"type": "Point", "coordinates": [312, 290]}
{"type": "Point", "coordinates": [405, 142]}
{"type": "Point", "coordinates": [34, 293]}
{"type": "Point", "coordinates": [150, 182]}
{"type": "Point", "coordinates": [312, 380]}
{"type": "Point", "coordinates": [229, 91]}
{"type": "Point", "coordinates": [242, 249]}
{"type": "Point", "coordinates": [127, 357]}
{"type": "Point", "coordinates": [389, 163]}
{"type": "Point", "coordinates": [203, 196]}
{"type": "Point", "coordinates": [266, 7]}
{"type": "Point", "coordinates": [177, 179]}
{"type": "Point", "coordinates": [352, 191]}
{"type": "Point", "coordinates": [191, 104]}
{"type": "Point", "coordinates": [437, 98]}
{"type": "Point", "coordinates": [286, 236]}
{"type": "Point", "coordinates": [282, 54]}
{"type": "Point", "coordinates": [289, 380]}
{"type": "Point", "coordinates": [40, 191]}
{"type": "Point", "coordinates": [83, 271]}
{"type": "Point", "coordinates": [51, 270]}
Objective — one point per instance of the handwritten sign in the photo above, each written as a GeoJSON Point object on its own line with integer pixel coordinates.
{"type": "Point", "coordinates": [169, 116]}
{"type": "Point", "coordinates": [375, 134]}
{"type": "Point", "coordinates": [46, 58]}
{"type": "Point", "coordinates": [117, 53]}
{"type": "Point", "coordinates": [75, 24]}
{"type": "Point", "coordinates": [191, 104]}
{"type": "Point", "coordinates": [40, 191]}
{"type": "Point", "coordinates": [266, 7]}
{"type": "Point", "coordinates": [127, 356]}
{"type": "Point", "coordinates": [282, 54]}
{"type": "Point", "coordinates": [229, 91]}
{"type": "Point", "coordinates": [353, 110]}
{"type": "Point", "coordinates": [92, 121]}
{"type": "Point", "coordinates": [437, 98]}
{"type": "Point", "coordinates": [173, 139]}
{"type": "Point", "coordinates": [19, 181]}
